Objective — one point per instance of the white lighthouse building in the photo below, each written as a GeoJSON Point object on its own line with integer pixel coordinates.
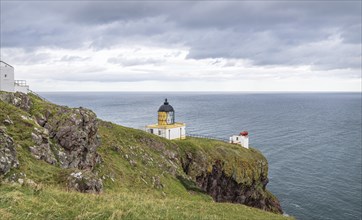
{"type": "Point", "coordinates": [8, 82]}
{"type": "Point", "coordinates": [242, 139]}
{"type": "Point", "coordinates": [166, 126]}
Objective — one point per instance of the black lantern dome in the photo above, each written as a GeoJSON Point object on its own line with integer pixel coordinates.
{"type": "Point", "coordinates": [166, 107]}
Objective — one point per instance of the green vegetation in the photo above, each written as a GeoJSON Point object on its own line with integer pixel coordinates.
{"type": "Point", "coordinates": [51, 203]}
{"type": "Point", "coordinates": [142, 176]}
{"type": "Point", "coordinates": [244, 165]}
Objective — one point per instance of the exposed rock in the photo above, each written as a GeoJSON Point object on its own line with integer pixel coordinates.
{"type": "Point", "coordinates": [21, 181]}
{"type": "Point", "coordinates": [133, 163]}
{"type": "Point", "coordinates": [117, 149]}
{"type": "Point", "coordinates": [172, 155]}
{"type": "Point", "coordinates": [8, 157]}
{"type": "Point", "coordinates": [17, 99]}
{"type": "Point", "coordinates": [85, 181]}
{"type": "Point", "coordinates": [68, 136]}
{"type": "Point", "coordinates": [8, 121]}
{"type": "Point", "coordinates": [40, 119]}
{"type": "Point", "coordinates": [31, 183]}
{"type": "Point", "coordinates": [226, 188]}
{"type": "Point", "coordinates": [156, 181]}
{"type": "Point", "coordinates": [157, 145]}
{"type": "Point", "coordinates": [75, 130]}
{"type": "Point", "coordinates": [42, 149]}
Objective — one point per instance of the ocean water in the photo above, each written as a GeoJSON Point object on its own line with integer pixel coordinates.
{"type": "Point", "coordinates": [311, 140]}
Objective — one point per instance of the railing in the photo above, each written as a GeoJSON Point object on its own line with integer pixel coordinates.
{"type": "Point", "coordinates": [36, 94]}
{"type": "Point", "coordinates": [20, 82]}
{"type": "Point", "coordinates": [207, 137]}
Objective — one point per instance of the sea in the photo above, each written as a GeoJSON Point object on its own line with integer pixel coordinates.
{"type": "Point", "coordinates": [311, 140]}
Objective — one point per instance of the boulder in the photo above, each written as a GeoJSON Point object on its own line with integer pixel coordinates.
{"type": "Point", "coordinates": [85, 181]}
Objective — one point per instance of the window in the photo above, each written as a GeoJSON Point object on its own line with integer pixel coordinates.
{"type": "Point", "coordinates": [151, 131]}
{"type": "Point", "coordinates": [6, 75]}
{"type": "Point", "coordinates": [159, 132]}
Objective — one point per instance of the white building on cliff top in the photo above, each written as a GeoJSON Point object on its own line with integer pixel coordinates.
{"type": "Point", "coordinates": [7, 81]}
{"type": "Point", "coordinates": [242, 139]}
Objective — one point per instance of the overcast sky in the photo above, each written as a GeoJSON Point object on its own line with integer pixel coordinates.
{"type": "Point", "coordinates": [184, 46]}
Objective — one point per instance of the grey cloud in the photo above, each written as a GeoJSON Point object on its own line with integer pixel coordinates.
{"type": "Point", "coordinates": [27, 58]}
{"type": "Point", "coordinates": [124, 61]}
{"type": "Point", "coordinates": [100, 75]}
{"type": "Point", "coordinates": [264, 32]}
{"type": "Point", "coordinates": [98, 12]}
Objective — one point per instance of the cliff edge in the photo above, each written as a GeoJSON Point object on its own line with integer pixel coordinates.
{"type": "Point", "coordinates": [43, 146]}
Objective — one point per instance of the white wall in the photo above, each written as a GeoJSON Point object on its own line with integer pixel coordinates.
{"type": "Point", "coordinates": [170, 133]}
{"type": "Point", "coordinates": [23, 89]}
{"type": "Point", "coordinates": [156, 131]}
{"type": "Point", "coordinates": [235, 139]}
{"type": "Point", "coordinates": [6, 78]}
{"type": "Point", "coordinates": [242, 140]}
{"type": "Point", "coordinates": [175, 133]}
{"type": "Point", "coordinates": [245, 141]}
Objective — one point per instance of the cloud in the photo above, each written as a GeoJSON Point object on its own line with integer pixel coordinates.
{"type": "Point", "coordinates": [135, 61]}
{"type": "Point", "coordinates": [67, 58]}
{"type": "Point", "coordinates": [199, 40]}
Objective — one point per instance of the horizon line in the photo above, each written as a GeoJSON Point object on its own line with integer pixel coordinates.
{"type": "Point", "coordinates": [66, 91]}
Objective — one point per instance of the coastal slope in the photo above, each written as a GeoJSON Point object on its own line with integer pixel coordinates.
{"type": "Point", "coordinates": [59, 162]}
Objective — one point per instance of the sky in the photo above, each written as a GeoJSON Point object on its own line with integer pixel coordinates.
{"type": "Point", "coordinates": [257, 46]}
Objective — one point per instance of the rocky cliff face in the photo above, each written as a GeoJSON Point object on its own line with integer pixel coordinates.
{"type": "Point", "coordinates": [224, 188]}
{"type": "Point", "coordinates": [237, 182]}
{"type": "Point", "coordinates": [75, 130]}
{"type": "Point", "coordinates": [8, 157]}
{"type": "Point", "coordinates": [19, 100]}
{"type": "Point", "coordinates": [62, 137]}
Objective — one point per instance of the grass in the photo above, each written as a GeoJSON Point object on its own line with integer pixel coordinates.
{"type": "Point", "coordinates": [52, 203]}
{"type": "Point", "coordinates": [245, 165]}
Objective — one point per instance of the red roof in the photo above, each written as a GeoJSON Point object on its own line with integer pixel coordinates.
{"type": "Point", "coordinates": [244, 133]}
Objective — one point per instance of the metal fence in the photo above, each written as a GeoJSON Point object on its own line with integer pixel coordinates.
{"type": "Point", "coordinates": [41, 97]}
{"type": "Point", "coordinates": [207, 137]}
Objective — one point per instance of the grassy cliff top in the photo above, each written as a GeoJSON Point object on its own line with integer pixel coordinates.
{"type": "Point", "coordinates": [244, 165]}
{"type": "Point", "coordinates": [142, 175]}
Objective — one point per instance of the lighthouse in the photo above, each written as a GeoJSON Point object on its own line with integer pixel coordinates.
{"type": "Point", "coordinates": [242, 139]}
{"type": "Point", "coordinates": [7, 81]}
{"type": "Point", "coordinates": [166, 126]}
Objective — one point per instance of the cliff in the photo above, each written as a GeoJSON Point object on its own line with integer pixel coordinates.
{"type": "Point", "coordinates": [229, 173]}
{"type": "Point", "coordinates": [54, 151]}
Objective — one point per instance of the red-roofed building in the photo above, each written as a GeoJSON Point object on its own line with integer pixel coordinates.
{"type": "Point", "coordinates": [242, 139]}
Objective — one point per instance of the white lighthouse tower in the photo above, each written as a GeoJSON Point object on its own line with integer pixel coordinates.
{"type": "Point", "coordinates": [242, 139]}
{"type": "Point", "coordinates": [7, 81]}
